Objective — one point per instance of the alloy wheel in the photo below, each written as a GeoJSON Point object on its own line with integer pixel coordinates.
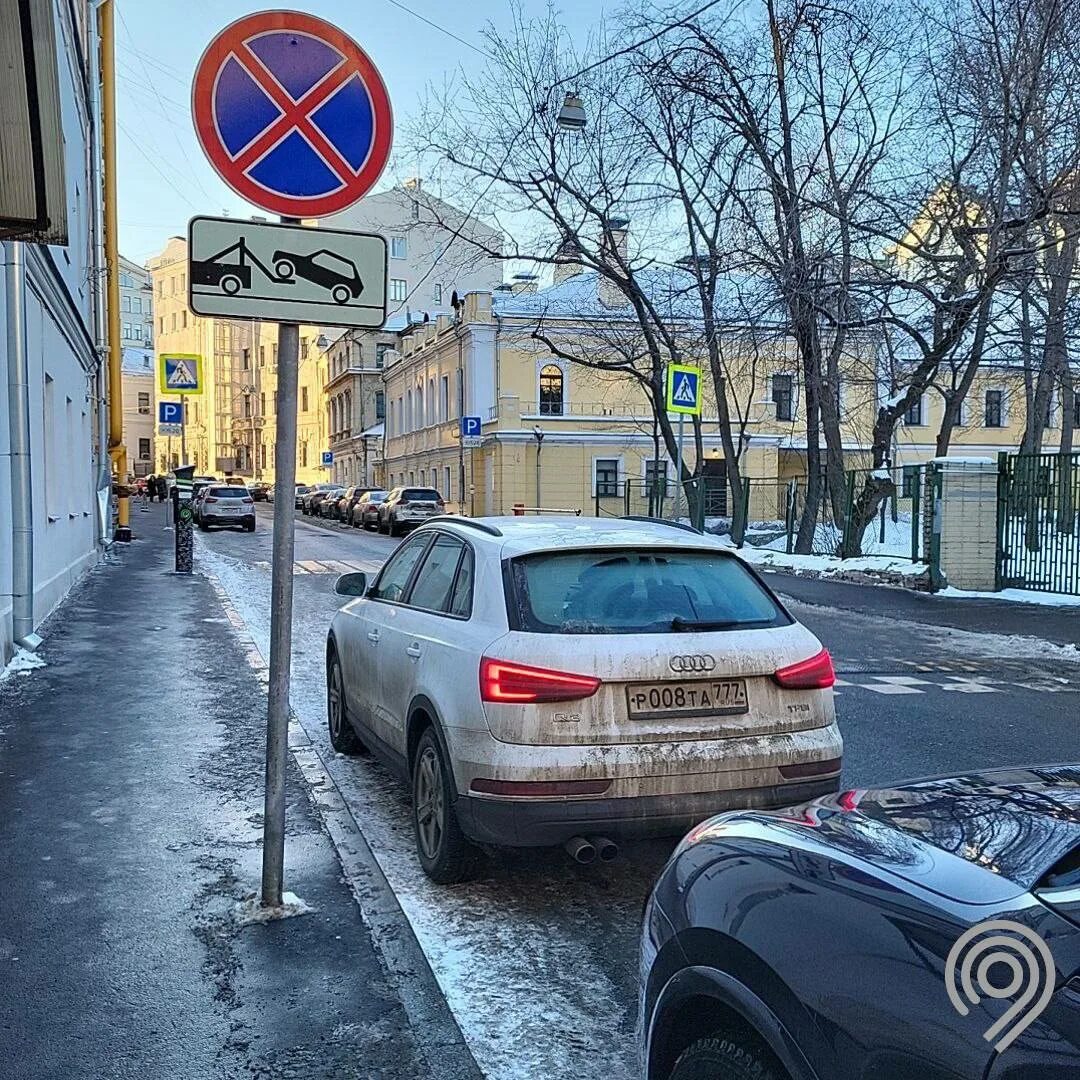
{"type": "Point", "coordinates": [429, 802]}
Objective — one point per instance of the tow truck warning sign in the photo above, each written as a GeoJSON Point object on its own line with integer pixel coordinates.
{"type": "Point", "coordinates": [286, 273]}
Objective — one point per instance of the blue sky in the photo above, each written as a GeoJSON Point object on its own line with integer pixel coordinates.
{"type": "Point", "coordinates": [164, 179]}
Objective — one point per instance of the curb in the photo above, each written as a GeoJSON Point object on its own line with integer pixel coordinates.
{"type": "Point", "coordinates": [439, 1039]}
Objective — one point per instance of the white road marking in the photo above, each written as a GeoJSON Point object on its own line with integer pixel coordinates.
{"type": "Point", "coordinates": [889, 688]}
{"type": "Point", "coordinates": [969, 686]}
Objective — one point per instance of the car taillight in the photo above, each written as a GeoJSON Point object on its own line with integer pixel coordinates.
{"type": "Point", "coordinates": [503, 681]}
{"type": "Point", "coordinates": [252, 501]}
{"type": "Point", "coordinates": [441, 504]}
{"type": "Point", "coordinates": [210, 499]}
{"type": "Point", "coordinates": [816, 673]}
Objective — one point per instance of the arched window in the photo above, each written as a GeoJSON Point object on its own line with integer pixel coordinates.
{"type": "Point", "coordinates": [551, 390]}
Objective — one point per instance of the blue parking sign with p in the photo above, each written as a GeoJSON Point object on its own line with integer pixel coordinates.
{"type": "Point", "coordinates": [470, 427]}
{"type": "Point", "coordinates": [170, 412]}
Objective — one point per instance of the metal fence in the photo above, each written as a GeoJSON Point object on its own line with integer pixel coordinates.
{"type": "Point", "coordinates": [1039, 522]}
{"type": "Point", "coordinates": [774, 509]}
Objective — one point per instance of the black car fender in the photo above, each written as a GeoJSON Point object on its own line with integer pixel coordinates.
{"type": "Point", "coordinates": [698, 981]}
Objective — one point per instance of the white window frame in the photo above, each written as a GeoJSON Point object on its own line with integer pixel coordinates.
{"type": "Point", "coordinates": [620, 472]}
{"type": "Point", "coordinates": [398, 295]}
{"type": "Point", "coordinates": [399, 247]}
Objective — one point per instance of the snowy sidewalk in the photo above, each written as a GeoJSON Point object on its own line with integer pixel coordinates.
{"type": "Point", "coordinates": [130, 830]}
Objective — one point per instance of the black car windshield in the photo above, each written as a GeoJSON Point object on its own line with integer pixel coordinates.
{"type": "Point", "coordinates": [638, 591]}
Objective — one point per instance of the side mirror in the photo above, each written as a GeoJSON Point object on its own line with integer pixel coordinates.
{"type": "Point", "coordinates": [351, 584]}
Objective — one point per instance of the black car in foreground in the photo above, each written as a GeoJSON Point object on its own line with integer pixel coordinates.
{"type": "Point", "coordinates": [928, 931]}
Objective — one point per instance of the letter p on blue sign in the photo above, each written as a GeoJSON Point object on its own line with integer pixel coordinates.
{"type": "Point", "coordinates": [470, 426]}
{"type": "Point", "coordinates": [170, 412]}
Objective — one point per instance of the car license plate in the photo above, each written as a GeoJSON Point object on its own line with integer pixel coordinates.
{"type": "Point", "coordinates": [704, 697]}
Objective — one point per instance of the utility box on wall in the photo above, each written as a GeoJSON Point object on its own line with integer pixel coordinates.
{"type": "Point", "coordinates": [965, 519]}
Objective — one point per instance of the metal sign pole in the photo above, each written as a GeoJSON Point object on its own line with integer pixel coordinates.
{"type": "Point", "coordinates": [281, 599]}
{"type": "Point", "coordinates": [679, 469]}
{"type": "Point", "coordinates": [183, 429]}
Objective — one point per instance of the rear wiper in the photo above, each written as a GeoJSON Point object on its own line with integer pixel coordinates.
{"type": "Point", "coordinates": [681, 624]}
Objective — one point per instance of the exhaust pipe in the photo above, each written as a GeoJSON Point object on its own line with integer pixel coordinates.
{"type": "Point", "coordinates": [580, 850]}
{"type": "Point", "coordinates": [606, 850]}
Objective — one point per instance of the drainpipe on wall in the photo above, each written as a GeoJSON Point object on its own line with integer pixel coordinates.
{"type": "Point", "coordinates": [117, 450]}
{"type": "Point", "coordinates": [22, 506]}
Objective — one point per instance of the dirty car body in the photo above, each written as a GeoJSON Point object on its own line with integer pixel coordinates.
{"type": "Point", "coordinates": [618, 678]}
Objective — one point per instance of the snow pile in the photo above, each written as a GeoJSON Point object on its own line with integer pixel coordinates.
{"type": "Point", "coordinates": [22, 663]}
{"type": "Point", "coordinates": [827, 537]}
{"type": "Point", "coordinates": [250, 910]}
{"type": "Point", "coordinates": [1016, 596]}
{"type": "Point", "coordinates": [828, 565]}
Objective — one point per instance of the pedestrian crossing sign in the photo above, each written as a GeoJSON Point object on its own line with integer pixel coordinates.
{"type": "Point", "coordinates": [684, 389]}
{"type": "Point", "coordinates": [180, 373]}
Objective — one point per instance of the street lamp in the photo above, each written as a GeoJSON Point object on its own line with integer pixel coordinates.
{"type": "Point", "coordinates": [538, 435]}
{"type": "Point", "coordinates": [572, 114]}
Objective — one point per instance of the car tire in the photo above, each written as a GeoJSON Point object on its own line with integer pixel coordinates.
{"type": "Point", "coordinates": [393, 529]}
{"type": "Point", "coordinates": [381, 527]}
{"type": "Point", "coordinates": [445, 854]}
{"type": "Point", "coordinates": [249, 526]}
{"type": "Point", "coordinates": [713, 1059]}
{"type": "Point", "coordinates": [204, 527]}
{"type": "Point", "coordinates": [343, 737]}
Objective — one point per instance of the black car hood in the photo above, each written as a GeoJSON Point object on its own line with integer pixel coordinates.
{"type": "Point", "coordinates": [1016, 823]}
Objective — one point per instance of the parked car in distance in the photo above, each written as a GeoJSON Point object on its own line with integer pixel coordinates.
{"type": "Point", "coordinates": [236, 481]}
{"type": "Point", "coordinates": [406, 507]}
{"type": "Point", "coordinates": [344, 508]}
{"type": "Point", "coordinates": [546, 682]}
{"type": "Point", "coordinates": [226, 505]}
{"type": "Point", "coordinates": [199, 482]}
{"type": "Point", "coordinates": [365, 512]}
{"type": "Point", "coordinates": [825, 941]}
{"type": "Point", "coordinates": [301, 491]}
{"type": "Point", "coordinates": [315, 491]}
{"type": "Point", "coordinates": [260, 490]}
{"type": "Point", "coordinates": [327, 505]}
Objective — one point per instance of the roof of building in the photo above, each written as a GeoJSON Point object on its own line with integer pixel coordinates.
{"type": "Point", "coordinates": [136, 361]}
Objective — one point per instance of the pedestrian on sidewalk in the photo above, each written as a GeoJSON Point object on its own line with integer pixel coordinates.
{"type": "Point", "coordinates": [151, 487]}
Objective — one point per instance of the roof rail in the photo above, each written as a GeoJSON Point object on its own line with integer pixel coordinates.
{"type": "Point", "coordinates": [483, 526]}
{"type": "Point", "coordinates": [663, 521]}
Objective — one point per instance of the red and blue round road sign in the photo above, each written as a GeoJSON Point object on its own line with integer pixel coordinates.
{"type": "Point", "coordinates": [292, 114]}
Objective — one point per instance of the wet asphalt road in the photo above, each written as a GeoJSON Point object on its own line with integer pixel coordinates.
{"type": "Point", "coordinates": [539, 955]}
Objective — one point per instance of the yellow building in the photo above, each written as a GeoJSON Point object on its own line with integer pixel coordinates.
{"type": "Point", "coordinates": [598, 445]}
{"type": "Point", "coordinates": [231, 427]}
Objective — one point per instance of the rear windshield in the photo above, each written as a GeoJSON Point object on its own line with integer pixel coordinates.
{"type": "Point", "coordinates": [420, 495]}
{"type": "Point", "coordinates": [376, 496]}
{"type": "Point", "coordinates": [230, 492]}
{"type": "Point", "coordinates": [634, 592]}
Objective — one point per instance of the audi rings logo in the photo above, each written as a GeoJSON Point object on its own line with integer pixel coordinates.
{"type": "Point", "coordinates": [695, 664]}
{"type": "Point", "coordinates": [1027, 975]}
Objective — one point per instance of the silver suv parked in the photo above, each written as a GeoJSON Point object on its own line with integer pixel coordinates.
{"type": "Point", "coordinates": [226, 505]}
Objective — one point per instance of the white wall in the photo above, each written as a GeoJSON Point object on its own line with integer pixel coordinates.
{"type": "Point", "coordinates": [62, 360]}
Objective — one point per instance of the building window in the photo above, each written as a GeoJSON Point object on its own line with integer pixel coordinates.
{"type": "Point", "coordinates": [262, 356]}
{"type": "Point", "coordinates": [783, 396]}
{"type": "Point", "coordinates": [914, 416]}
{"type": "Point", "coordinates": [183, 320]}
{"type": "Point", "coordinates": [408, 411]}
{"type": "Point", "coordinates": [125, 302]}
{"type": "Point", "coordinates": [172, 320]}
{"type": "Point", "coordinates": [136, 304]}
{"type": "Point", "coordinates": [245, 360]}
{"type": "Point", "coordinates": [380, 354]}
{"type": "Point", "coordinates": [415, 210]}
{"type": "Point", "coordinates": [399, 289]}
{"type": "Point", "coordinates": [144, 449]}
{"type": "Point", "coordinates": [304, 398]}
{"type": "Point", "coordinates": [655, 477]}
{"type": "Point", "coordinates": [262, 403]}
{"type": "Point", "coordinates": [161, 325]}
{"type": "Point", "coordinates": [161, 287]}
{"type": "Point", "coordinates": [551, 390]}
{"type": "Point", "coordinates": [262, 455]}
{"type": "Point", "coordinates": [993, 409]}
{"type": "Point", "coordinates": [444, 398]}
{"type": "Point", "coordinates": [247, 406]}
{"type": "Point", "coordinates": [303, 455]}
{"type": "Point", "coordinates": [436, 293]}
{"type": "Point", "coordinates": [606, 477]}
{"type": "Point", "coordinates": [144, 403]}
{"type": "Point", "coordinates": [399, 248]}
{"type": "Point", "coordinates": [126, 280]}
{"type": "Point", "coordinates": [380, 405]}
{"type": "Point", "coordinates": [446, 482]}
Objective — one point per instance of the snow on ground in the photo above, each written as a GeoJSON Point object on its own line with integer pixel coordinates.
{"type": "Point", "coordinates": [537, 959]}
{"type": "Point", "coordinates": [21, 663]}
{"type": "Point", "coordinates": [1016, 596]}
{"type": "Point", "coordinates": [827, 565]}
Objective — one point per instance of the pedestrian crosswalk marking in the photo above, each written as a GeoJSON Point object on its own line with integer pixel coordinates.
{"type": "Point", "coordinates": [333, 566]}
